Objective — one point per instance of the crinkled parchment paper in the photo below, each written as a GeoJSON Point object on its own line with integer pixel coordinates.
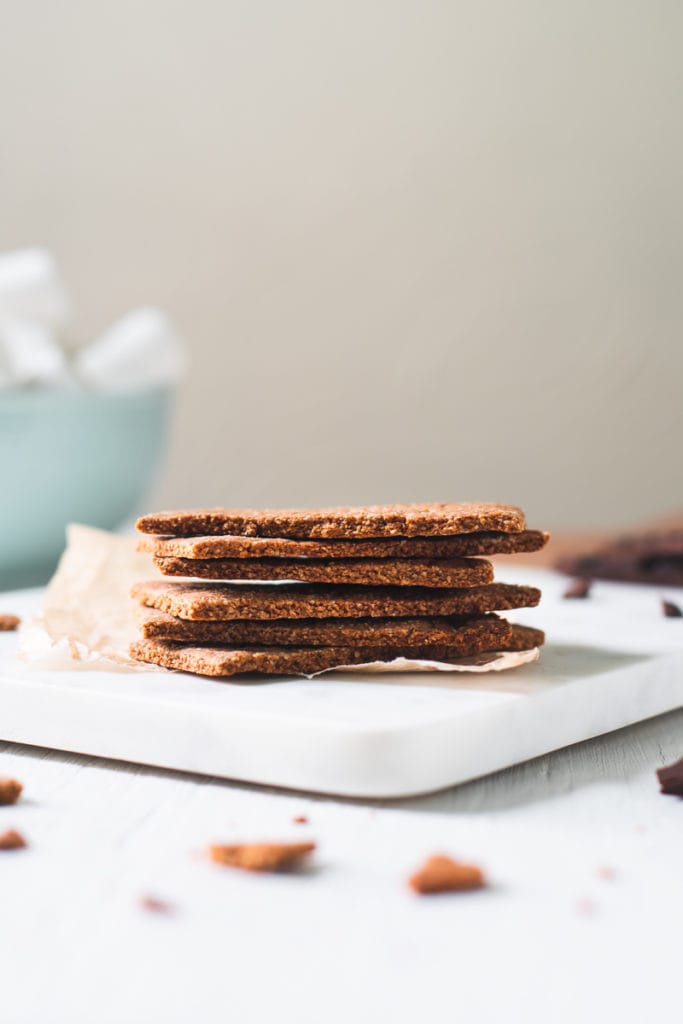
{"type": "Point", "coordinates": [88, 619]}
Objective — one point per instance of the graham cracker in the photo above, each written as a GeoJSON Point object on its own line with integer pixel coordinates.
{"type": "Point", "coordinates": [220, 601]}
{"type": "Point", "coordinates": [421, 572]}
{"type": "Point", "coordinates": [489, 543]}
{"type": "Point", "coordinates": [369, 521]}
{"type": "Point", "coordinates": [490, 630]}
{"type": "Point", "coordinates": [229, 661]}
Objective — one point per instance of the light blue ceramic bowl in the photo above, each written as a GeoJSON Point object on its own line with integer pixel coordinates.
{"type": "Point", "coordinates": [71, 457]}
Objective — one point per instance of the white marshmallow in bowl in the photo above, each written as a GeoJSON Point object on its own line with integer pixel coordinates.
{"type": "Point", "coordinates": [31, 288]}
{"type": "Point", "coordinates": [140, 351]}
{"type": "Point", "coordinates": [30, 356]}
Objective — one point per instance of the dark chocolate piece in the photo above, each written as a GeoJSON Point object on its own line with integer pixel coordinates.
{"type": "Point", "coordinates": [671, 778]}
{"type": "Point", "coordinates": [653, 556]}
{"type": "Point", "coordinates": [578, 589]}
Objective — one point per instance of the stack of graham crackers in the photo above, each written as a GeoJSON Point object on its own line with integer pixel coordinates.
{"type": "Point", "coordinates": [372, 584]}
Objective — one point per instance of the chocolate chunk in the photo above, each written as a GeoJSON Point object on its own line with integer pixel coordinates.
{"type": "Point", "coordinates": [671, 778]}
{"type": "Point", "coordinates": [578, 589]}
{"type": "Point", "coordinates": [671, 610]}
{"type": "Point", "coordinates": [651, 556]}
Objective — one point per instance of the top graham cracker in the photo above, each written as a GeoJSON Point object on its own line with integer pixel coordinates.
{"type": "Point", "coordinates": [439, 519]}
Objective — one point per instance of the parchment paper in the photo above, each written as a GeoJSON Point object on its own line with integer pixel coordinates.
{"type": "Point", "coordinates": [88, 619]}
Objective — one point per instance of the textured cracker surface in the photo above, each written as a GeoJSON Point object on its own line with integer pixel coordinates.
{"type": "Point", "coordinates": [229, 661]}
{"type": "Point", "coordinates": [420, 572]}
{"type": "Point", "coordinates": [454, 632]}
{"type": "Point", "coordinates": [215, 601]}
{"type": "Point", "coordinates": [367, 521]}
{"type": "Point", "coordinates": [376, 547]}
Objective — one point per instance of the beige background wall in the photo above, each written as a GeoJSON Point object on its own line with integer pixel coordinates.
{"type": "Point", "coordinates": [419, 249]}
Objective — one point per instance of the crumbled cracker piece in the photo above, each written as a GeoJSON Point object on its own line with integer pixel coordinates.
{"type": "Point", "coordinates": [12, 840]}
{"type": "Point", "coordinates": [10, 791]}
{"type": "Point", "coordinates": [671, 610]}
{"type": "Point", "coordinates": [9, 622]}
{"type": "Point", "coordinates": [443, 874]}
{"type": "Point", "coordinates": [300, 819]}
{"type": "Point", "coordinates": [260, 856]}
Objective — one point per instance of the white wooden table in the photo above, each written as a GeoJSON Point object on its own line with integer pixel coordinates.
{"type": "Point", "coordinates": [550, 941]}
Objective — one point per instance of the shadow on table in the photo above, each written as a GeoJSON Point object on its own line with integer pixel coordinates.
{"type": "Point", "coordinates": [611, 758]}
{"type": "Point", "coordinates": [558, 665]}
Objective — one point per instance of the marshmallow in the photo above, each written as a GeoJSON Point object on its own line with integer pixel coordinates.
{"type": "Point", "coordinates": [31, 288]}
{"type": "Point", "coordinates": [140, 351]}
{"type": "Point", "coordinates": [30, 356]}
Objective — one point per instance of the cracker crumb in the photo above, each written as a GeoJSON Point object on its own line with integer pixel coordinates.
{"type": "Point", "coordinates": [12, 840]}
{"type": "Point", "coordinates": [260, 856]}
{"type": "Point", "coordinates": [607, 873]}
{"type": "Point", "coordinates": [441, 873]}
{"type": "Point", "coordinates": [300, 819]}
{"type": "Point", "coordinates": [586, 907]}
{"type": "Point", "coordinates": [10, 791]}
{"type": "Point", "coordinates": [9, 622]}
{"type": "Point", "coordinates": [155, 905]}
{"type": "Point", "coordinates": [671, 610]}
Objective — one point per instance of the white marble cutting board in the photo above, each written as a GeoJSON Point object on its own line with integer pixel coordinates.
{"type": "Point", "coordinates": [610, 660]}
